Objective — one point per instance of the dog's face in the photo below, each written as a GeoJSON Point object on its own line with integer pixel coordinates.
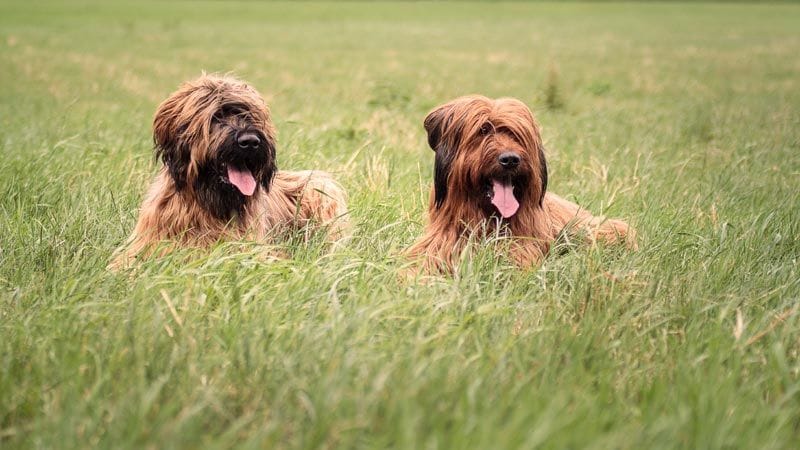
{"type": "Point", "coordinates": [488, 154]}
{"type": "Point", "coordinates": [216, 139]}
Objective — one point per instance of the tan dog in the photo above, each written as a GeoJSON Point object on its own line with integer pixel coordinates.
{"type": "Point", "coordinates": [490, 178]}
{"type": "Point", "coordinates": [219, 179]}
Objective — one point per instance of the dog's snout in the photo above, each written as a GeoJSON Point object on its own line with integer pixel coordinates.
{"type": "Point", "coordinates": [509, 160]}
{"type": "Point", "coordinates": [248, 140]}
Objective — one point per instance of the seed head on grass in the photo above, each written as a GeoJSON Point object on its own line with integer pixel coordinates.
{"type": "Point", "coordinates": [552, 92]}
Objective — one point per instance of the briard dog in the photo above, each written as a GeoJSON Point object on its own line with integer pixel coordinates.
{"type": "Point", "coordinates": [490, 179]}
{"type": "Point", "coordinates": [219, 178]}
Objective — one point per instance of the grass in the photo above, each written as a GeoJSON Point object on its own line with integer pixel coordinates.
{"type": "Point", "coordinates": [683, 118]}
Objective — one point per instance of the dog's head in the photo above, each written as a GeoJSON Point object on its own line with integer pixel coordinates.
{"type": "Point", "coordinates": [217, 141]}
{"type": "Point", "coordinates": [488, 153]}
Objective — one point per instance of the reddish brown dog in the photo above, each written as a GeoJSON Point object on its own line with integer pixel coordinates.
{"type": "Point", "coordinates": [490, 178]}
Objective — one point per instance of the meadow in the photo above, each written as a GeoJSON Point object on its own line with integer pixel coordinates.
{"type": "Point", "coordinates": [682, 118]}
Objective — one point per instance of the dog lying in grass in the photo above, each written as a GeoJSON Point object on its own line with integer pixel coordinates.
{"type": "Point", "coordinates": [219, 178]}
{"type": "Point", "coordinates": [490, 178]}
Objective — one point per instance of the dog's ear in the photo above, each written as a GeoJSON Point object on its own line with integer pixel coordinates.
{"type": "Point", "coordinates": [435, 123]}
{"type": "Point", "coordinates": [270, 168]}
{"type": "Point", "coordinates": [441, 173]}
{"type": "Point", "coordinates": [167, 141]}
{"type": "Point", "coordinates": [164, 127]}
{"type": "Point", "coordinates": [178, 165]}
{"type": "Point", "coordinates": [542, 173]}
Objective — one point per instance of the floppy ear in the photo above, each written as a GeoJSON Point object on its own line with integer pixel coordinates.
{"type": "Point", "coordinates": [542, 173]}
{"type": "Point", "coordinates": [168, 145]}
{"type": "Point", "coordinates": [271, 167]}
{"type": "Point", "coordinates": [441, 172]}
{"type": "Point", "coordinates": [434, 126]}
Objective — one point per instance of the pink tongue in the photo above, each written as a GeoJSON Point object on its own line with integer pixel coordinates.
{"type": "Point", "coordinates": [243, 180]}
{"type": "Point", "coordinates": [503, 199]}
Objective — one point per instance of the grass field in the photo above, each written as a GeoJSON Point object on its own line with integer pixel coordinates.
{"type": "Point", "coordinates": [682, 118]}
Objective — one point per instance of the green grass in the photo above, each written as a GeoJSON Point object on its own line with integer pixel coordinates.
{"type": "Point", "coordinates": [683, 118]}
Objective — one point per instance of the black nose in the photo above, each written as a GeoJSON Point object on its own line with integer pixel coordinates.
{"type": "Point", "coordinates": [248, 140]}
{"type": "Point", "coordinates": [509, 160]}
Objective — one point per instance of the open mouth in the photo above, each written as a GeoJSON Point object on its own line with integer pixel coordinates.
{"type": "Point", "coordinates": [242, 179]}
{"type": "Point", "coordinates": [501, 194]}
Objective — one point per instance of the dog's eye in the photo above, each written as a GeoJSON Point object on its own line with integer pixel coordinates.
{"type": "Point", "coordinates": [486, 129]}
{"type": "Point", "coordinates": [227, 111]}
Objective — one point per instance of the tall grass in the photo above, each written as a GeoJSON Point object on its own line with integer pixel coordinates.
{"type": "Point", "coordinates": [681, 118]}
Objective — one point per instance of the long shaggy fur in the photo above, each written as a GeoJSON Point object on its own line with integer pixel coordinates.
{"type": "Point", "coordinates": [469, 135]}
{"type": "Point", "coordinates": [198, 133]}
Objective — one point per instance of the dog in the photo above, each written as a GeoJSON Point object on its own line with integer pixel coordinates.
{"type": "Point", "coordinates": [490, 179]}
{"type": "Point", "coordinates": [219, 178]}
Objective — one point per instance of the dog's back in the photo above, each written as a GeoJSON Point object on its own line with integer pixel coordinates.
{"type": "Point", "coordinates": [307, 198]}
{"type": "Point", "coordinates": [566, 216]}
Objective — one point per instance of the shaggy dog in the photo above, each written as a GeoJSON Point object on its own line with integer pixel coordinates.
{"type": "Point", "coordinates": [220, 180]}
{"type": "Point", "coordinates": [490, 178]}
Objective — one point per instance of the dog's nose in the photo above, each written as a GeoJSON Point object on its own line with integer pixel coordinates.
{"type": "Point", "coordinates": [509, 160]}
{"type": "Point", "coordinates": [248, 140]}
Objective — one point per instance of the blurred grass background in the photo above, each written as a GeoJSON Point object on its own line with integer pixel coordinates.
{"type": "Point", "coordinates": [683, 118]}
